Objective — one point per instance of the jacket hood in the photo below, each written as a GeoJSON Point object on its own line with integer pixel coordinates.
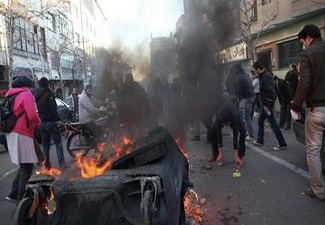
{"type": "Point", "coordinates": [13, 91]}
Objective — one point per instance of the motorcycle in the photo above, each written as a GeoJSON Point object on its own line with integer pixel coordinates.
{"type": "Point", "coordinates": [80, 140]}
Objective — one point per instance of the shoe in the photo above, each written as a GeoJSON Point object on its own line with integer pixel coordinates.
{"type": "Point", "coordinates": [280, 148]}
{"type": "Point", "coordinates": [12, 200]}
{"type": "Point", "coordinates": [248, 138]}
{"type": "Point", "coordinates": [219, 163]}
{"type": "Point", "coordinates": [311, 194]}
{"type": "Point", "coordinates": [257, 143]}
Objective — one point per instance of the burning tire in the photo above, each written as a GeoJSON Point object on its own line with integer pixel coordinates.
{"type": "Point", "coordinates": [78, 144]}
{"type": "Point", "coordinates": [21, 216]}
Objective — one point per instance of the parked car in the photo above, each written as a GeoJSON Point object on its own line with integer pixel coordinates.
{"type": "Point", "coordinates": [299, 130]}
{"type": "Point", "coordinates": [65, 114]}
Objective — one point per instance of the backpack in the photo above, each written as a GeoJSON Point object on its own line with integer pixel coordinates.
{"type": "Point", "coordinates": [7, 116]}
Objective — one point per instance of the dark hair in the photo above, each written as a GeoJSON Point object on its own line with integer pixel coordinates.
{"type": "Point", "coordinates": [293, 66]}
{"type": "Point", "coordinates": [43, 82]}
{"type": "Point", "coordinates": [89, 87]}
{"type": "Point", "coordinates": [310, 30]}
{"type": "Point", "coordinates": [22, 81]}
{"type": "Point", "coordinates": [258, 65]}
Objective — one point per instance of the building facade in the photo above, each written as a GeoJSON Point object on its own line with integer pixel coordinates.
{"type": "Point", "coordinates": [59, 42]}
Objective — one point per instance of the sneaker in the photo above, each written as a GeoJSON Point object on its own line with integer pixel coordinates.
{"type": "Point", "coordinates": [311, 194]}
{"type": "Point", "coordinates": [280, 148]}
{"type": "Point", "coordinates": [248, 138]}
{"type": "Point", "coordinates": [257, 143]}
{"type": "Point", "coordinates": [12, 200]}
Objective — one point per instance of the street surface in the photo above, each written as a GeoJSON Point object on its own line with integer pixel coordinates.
{"type": "Point", "coordinates": [269, 191]}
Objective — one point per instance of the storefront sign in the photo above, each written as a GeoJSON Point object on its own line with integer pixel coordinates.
{"type": "Point", "coordinates": [234, 53]}
{"type": "Point", "coordinates": [21, 71]}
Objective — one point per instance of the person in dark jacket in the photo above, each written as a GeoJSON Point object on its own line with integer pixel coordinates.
{"type": "Point", "coordinates": [292, 77]}
{"type": "Point", "coordinates": [228, 116]}
{"type": "Point", "coordinates": [268, 96]}
{"type": "Point", "coordinates": [285, 96]}
{"type": "Point", "coordinates": [133, 107]}
{"type": "Point", "coordinates": [311, 89]}
{"type": "Point", "coordinates": [47, 110]}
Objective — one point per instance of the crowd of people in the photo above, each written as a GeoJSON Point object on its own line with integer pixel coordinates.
{"type": "Point", "coordinates": [185, 101]}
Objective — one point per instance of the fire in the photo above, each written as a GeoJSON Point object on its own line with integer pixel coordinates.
{"type": "Point", "coordinates": [193, 211]}
{"type": "Point", "coordinates": [118, 146]}
{"type": "Point", "coordinates": [178, 141]}
{"type": "Point", "coordinates": [50, 204]}
{"type": "Point", "coordinates": [54, 172]}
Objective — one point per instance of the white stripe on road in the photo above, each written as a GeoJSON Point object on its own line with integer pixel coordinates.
{"type": "Point", "coordinates": [280, 161]}
{"type": "Point", "coordinates": [8, 173]}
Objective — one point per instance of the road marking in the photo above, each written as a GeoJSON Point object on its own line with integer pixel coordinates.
{"type": "Point", "coordinates": [8, 173]}
{"type": "Point", "coordinates": [280, 161]}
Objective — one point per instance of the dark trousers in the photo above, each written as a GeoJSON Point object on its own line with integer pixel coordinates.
{"type": "Point", "coordinates": [285, 115]}
{"type": "Point", "coordinates": [50, 131]}
{"type": "Point", "coordinates": [274, 126]}
{"type": "Point", "coordinates": [19, 184]}
{"type": "Point", "coordinates": [256, 104]}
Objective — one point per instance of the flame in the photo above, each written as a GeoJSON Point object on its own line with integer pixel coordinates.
{"type": "Point", "coordinates": [118, 146]}
{"type": "Point", "coordinates": [54, 172]}
{"type": "Point", "coordinates": [50, 204]}
{"type": "Point", "coordinates": [89, 166]}
{"type": "Point", "coordinates": [193, 211]}
{"type": "Point", "coordinates": [178, 141]}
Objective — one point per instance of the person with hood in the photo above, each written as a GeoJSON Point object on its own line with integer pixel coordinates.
{"type": "Point", "coordinates": [20, 139]}
{"type": "Point", "coordinates": [47, 110]}
{"type": "Point", "coordinates": [133, 106]}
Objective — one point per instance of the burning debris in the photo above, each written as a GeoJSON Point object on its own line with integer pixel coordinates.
{"type": "Point", "coordinates": [145, 185]}
{"type": "Point", "coordinates": [193, 205]}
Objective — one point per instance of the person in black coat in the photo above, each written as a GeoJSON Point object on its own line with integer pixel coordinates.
{"type": "Point", "coordinates": [285, 96]}
{"type": "Point", "coordinates": [292, 77]}
{"type": "Point", "coordinates": [47, 111]}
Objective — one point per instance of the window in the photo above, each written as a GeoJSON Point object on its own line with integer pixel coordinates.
{"type": "Point", "coordinates": [289, 53]}
{"type": "Point", "coordinates": [64, 25]}
{"type": "Point", "coordinates": [25, 36]}
{"type": "Point", "coordinates": [265, 2]}
{"type": "Point", "coordinates": [51, 22]}
{"type": "Point", "coordinates": [254, 11]}
{"type": "Point", "coordinates": [76, 11]}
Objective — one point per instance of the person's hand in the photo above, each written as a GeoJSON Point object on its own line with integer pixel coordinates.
{"type": "Point", "coordinates": [238, 161]}
{"type": "Point", "coordinates": [266, 109]}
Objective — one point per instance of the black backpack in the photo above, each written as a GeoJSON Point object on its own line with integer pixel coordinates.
{"type": "Point", "coordinates": [7, 116]}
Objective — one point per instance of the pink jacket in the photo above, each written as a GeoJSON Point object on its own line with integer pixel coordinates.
{"type": "Point", "coordinates": [24, 102]}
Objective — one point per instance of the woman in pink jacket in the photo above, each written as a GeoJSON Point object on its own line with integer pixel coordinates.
{"type": "Point", "coordinates": [20, 140]}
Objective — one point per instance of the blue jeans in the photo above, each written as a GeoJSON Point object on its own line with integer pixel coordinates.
{"type": "Point", "coordinates": [248, 120]}
{"type": "Point", "coordinates": [274, 126]}
{"type": "Point", "coordinates": [50, 131]}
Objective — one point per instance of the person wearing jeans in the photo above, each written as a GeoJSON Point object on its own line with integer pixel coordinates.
{"type": "Point", "coordinates": [47, 110]}
{"type": "Point", "coordinates": [268, 96]}
{"type": "Point", "coordinates": [311, 90]}
{"type": "Point", "coordinates": [50, 131]}
{"type": "Point", "coordinates": [248, 120]}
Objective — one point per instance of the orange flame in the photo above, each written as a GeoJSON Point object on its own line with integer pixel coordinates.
{"type": "Point", "coordinates": [193, 211]}
{"type": "Point", "coordinates": [50, 204]}
{"type": "Point", "coordinates": [89, 166]}
{"type": "Point", "coordinates": [178, 141]}
{"type": "Point", "coordinates": [54, 172]}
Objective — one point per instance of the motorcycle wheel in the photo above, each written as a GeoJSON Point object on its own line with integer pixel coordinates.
{"type": "Point", "coordinates": [77, 144]}
{"type": "Point", "coordinates": [21, 214]}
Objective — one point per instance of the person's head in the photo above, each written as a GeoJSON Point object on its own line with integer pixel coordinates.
{"type": "Point", "coordinates": [22, 81]}
{"type": "Point", "coordinates": [293, 67]}
{"type": "Point", "coordinates": [74, 90]}
{"type": "Point", "coordinates": [43, 82]}
{"type": "Point", "coordinates": [129, 77]}
{"type": "Point", "coordinates": [308, 34]}
{"type": "Point", "coordinates": [258, 67]}
{"type": "Point", "coordinates": [89, 89]}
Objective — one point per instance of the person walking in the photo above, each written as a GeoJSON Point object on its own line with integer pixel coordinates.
{"type": "Point", "coordinates": [285, 96]}
{"type": "Point", "coordinates": [20, 139]}
{"type": "Point", "coordinates": [268, 96]}
{"type": "Point", "coordinates": [311, 90]}
{"type": "Point", "coordinates": [256, 86]}
{"type": "Point", "coordinates": [292, 77]}
{"type": "Point", "coordinates": [47, 110]}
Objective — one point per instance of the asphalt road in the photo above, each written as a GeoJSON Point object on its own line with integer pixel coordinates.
{"type": "Point", "coordinates": [269, 191]}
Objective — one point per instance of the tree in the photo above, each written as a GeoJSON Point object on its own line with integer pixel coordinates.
{"type": "Point", "coordinates": [29, 11]}
{"type": "Point", "coordinates": [249, 22]}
